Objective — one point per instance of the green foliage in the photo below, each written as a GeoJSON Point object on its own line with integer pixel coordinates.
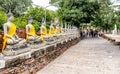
{"type": "Point", "coordinates": [37, 25]}
{"type": "Point", "coordinates": [76, 12]}
{"type": "Point", "coordinates": [116, 18]}
{"type": "Point", "coordinates": [21, 21]}
{"type": "Point", "coordinates": [105, 18]}
{"type": "Point", "coordinates": [39, 13]}
{"type": "Point", "coordinates": [2, 19]}
{"type": "Point", "coordinates": [21, 12]}
{"type": "Point", "coordinates": [18, 7]}
{"type": "Point", "coordinates": [36, 13]}
{"type": "Point", "coordinates": [96, 12]}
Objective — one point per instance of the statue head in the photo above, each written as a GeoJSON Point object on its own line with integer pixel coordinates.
{"type": "Point", "coordinates": [43, 22]}
{"type": "Point", "coordinates": [10, 16]}
{"type": "Point", "coordinates": [30, 19]}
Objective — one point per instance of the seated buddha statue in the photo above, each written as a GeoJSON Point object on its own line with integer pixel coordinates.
{"type": "Point", "coordinates": [10, 36]}
{"type": "Point", "coordinates": [58, 29]}
{"type": "Point", "coordinates": [43, 30]}
{"type": "Point", "coordinates": [57, 26]}
{"type": "Point", "coordinates": [52, 29]}
{"type": "Point", "coordinates": [30, 32]}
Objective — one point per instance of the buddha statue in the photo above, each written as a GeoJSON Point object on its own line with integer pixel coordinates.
{"type": "Point", "coordinates": [10, 37]}
{"type": "Point", "coordinates": [46, 36]}
{"type": "Point", "coordinates": [52, 29]}
{"type": "Point", "coordinates": [30, 32]}
{"type": "Point", "coordinates": [43, 30]}
{"type": "Point", "coordinates": [56, 25]}
{"type": "Point", "coordinates": [58, 32]}
{"type": "Point", "coordinates": [58, 29]}
{"type": "Point", "coordinates": [56, 20]}
{"type": "Point", "coordinates": [55, 31]}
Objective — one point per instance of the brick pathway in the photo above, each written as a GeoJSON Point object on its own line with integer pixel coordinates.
{"type": "Point", "coordinates": [89, 56]}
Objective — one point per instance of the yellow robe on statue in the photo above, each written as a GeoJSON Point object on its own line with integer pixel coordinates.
{"type": "Point", "coordinates": [52, 31]}
{"type": "Point", "coordinates": [43, 33]}
{"type": "Point", "coordinates": [11, 32]}
{"type": "Point", "coordinates": [58, 30]}
{"type": "Point", "coordinates": [31, 31]}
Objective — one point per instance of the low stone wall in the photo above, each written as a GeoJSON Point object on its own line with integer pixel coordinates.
{"type": "Point", "coordinates": [38, 59]}
{"type": "Point", "coordinates": [110, 39]}
{"type": "Point", "coordinates": [105, 37]}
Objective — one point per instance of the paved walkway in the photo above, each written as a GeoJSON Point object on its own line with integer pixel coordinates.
{"type": "Point", "coordinates": [89, 56]}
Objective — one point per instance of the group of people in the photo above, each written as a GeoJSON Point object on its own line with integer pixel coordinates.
{"type": "Point", "coordinates": [88, 33]}
{"type": "Point", "coordinates": [11, 38]}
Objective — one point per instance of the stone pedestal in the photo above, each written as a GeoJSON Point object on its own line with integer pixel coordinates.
{"type": "Point", "coordinates": [36, 56]}
{"type": "Point", "coordinates": [36, 59]}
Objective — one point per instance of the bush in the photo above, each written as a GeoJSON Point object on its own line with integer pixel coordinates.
{"type": "Point", "coordinates": [20, 22]}
{"type": "Point", "coordinates": [3, 19]}
{"type": "Point", "coordinates": [37, 25]}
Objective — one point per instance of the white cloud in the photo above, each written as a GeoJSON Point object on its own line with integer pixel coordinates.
{"type": "Point", "coordinates": [44, 3]}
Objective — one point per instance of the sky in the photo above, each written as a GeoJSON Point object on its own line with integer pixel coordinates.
{"type": "Point", "coordinates": [115, 2]}
{"type": "Point", "coordinates": [44, 3]}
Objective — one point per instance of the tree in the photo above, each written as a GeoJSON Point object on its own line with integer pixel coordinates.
{"type": "Point", "coordinates": [77, 11]}
{"type": "Point", "coordinates": [16, 6]}
{"type": "Point", "coordinates": [105, 16]}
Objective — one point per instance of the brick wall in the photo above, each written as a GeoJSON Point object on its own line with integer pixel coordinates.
{"type": "Point", "coordinates": [1, 40]}
{"type": "Point", "coordinates": [21, 32]}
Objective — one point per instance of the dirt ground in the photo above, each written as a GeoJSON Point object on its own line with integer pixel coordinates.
{"type": "Point", "coordinates": [89, 56]}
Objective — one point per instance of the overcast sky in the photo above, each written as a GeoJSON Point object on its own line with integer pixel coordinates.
{"type": "Point", "coordinates": [44, 3]}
